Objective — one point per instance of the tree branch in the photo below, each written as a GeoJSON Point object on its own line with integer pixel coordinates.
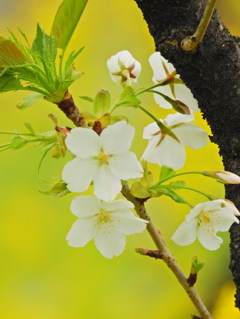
{"type": "Point", "coordinates": [69, 108]}
{"type": "Point", "coordinates": [166, 255]}
{"type": "Point", "coordinates": [212, 73]}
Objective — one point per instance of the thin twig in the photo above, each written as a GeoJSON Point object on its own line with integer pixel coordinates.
{"type": "Point", "coordinates": [190, 43]}
{"type": "Point", "coordinates": [167, 257]}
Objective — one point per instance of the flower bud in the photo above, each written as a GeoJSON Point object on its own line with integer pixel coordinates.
{"type": "Point", "coordinates": [18, 142]}
{"type": "Point", "coordinates": [224, 177]}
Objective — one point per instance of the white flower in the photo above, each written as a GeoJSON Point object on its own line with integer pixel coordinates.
{"type": "Point", "coordinates": [123, 67]}
{"type": "Point", "coordinates": [164, 149]}
{"type": "Point", "coordinates": [103, 159]}
{"type": "Point", "coordinates": [161, 69]}
{"type": "Point", "coordinates": [106, 223]}
{"type": "Point", "coordinates": [203, 222]}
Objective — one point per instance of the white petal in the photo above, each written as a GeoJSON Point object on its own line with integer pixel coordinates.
{"type": "Point", "coordinates": [191, 135]}
{"type": "Point", "coordinates": [136, 71]}
{"type": "Point", "coordinates": [119, 204]}
{"type": "Point", "coordinates": [78, 174]}
{"type": "Point", "coordinates": [117, 138]}
{"type": "Point", "coordinates": [110, 244]}
{"type": "Point", "coordinates": [225, 219]}
{"type": "Point", "coordinates": [194, 212]}
{"type": "Point", "coordinates": [160, 100]}
{"type": "Point", "coordinates": [213, 205]}
{"type": "Point", "coordinates": [125, 165]}
{"type": "Point", "coordinates": [126, 223]}
{"type": "Point", "coordinates": [171, 153]}
{"type": "Point", "coordinates": [83, 142]}
{"type": "Point", "coordinates": [177, 118]}
{"type": "Point", "coordinates": [230, 205]}
{"type": "Point", "coordinates": [81, 233]}
{"type": "Point", "coordinates": [228, 177]}
{"type": "Point", "coordinates": [85, 206]}
{"type": "Point", "coordinates": [106, 186]}
{"type": "Point", "coordinates": [112, 64]}
{"type": "Point", "coordinates": [209, 240]}
{"type": "Point", "coordinates": [152, 153]}
{"type": "Point", "coordinates": [126, 58]}
{"type": "Point", "coordinates": [150, 130]}
{"type": "Point", "coordinates": [186, 233]}
{"type": "Point", "coordinates": [184, 94]}
{"type": "Point", "coordinates": [156, 60]}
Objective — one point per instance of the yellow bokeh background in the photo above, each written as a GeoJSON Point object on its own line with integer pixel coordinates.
{"type": "Point", "coordinates": [41, 277]}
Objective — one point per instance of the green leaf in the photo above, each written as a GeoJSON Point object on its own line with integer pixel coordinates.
{"type": "Point", "coordinates": [66, 20]}
{"type": "Point", "coordinates": [166, 190]}
{"type": "Point", "coordinates": [9, 83]}
{"type": "Point", "coordinates": [128, 98]}
{"type": "Point", "coordinates": [166, 172]}
{"type": "Point", "coordinates": [68, 67]}
{"type": "Point", "coordinates": [30, 128]}
{"type": "Point", "coordinates": [10, 54]}
{"type": "Point", "coordinates": [46, 149]}
{"type": "Point", "coordinates": [86, 98]}
{"type": "Point", "coordinates": [101, 102]}
{"type": "Point", "coordinates": [58, 190]}
{"type": "Point", "coordinates": [177, 185]}
{"type": "Point", "coordinates": [29, 100]}
{"type": "Point", "coordinates": [45, 48]}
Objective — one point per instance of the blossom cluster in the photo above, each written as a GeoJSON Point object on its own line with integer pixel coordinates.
{"type": "Point", "coordinates": [103, 159]}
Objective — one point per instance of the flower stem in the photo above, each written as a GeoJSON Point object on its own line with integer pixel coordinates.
{"type": "Point", "coordinates": [190, 43]}
{"type": "Point", "coordinates": [167, 257]}
{"type": "Point", "coordinates": [162, 127]}
{"type": "Point", "coordinates": [179, 174]}
{"type": "Point", "coordinates": [210, 197]}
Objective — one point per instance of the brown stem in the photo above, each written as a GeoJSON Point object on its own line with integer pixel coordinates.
{"type": "Point", "coordinates": [167, 257]}
{"type": "Point", "coordinates": [69, 108]}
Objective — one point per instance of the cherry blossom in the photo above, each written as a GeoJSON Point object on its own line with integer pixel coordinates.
{"type": "Point", "coordinates": [163, 69]}
{"type": "Point", "coordinates": [123, 67]}
{"type": "Point", "coordinates": [164, 149]}
{"type": "Point", "coordinates": [103, 159]}
{"type": "Point", "coordinates": [107, 223]}
{"type": "Point", "coordinates": [204, 221]}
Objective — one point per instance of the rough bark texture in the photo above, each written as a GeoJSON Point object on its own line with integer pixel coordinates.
{"type": "Point", "coordinates": [69, 108]}
{"type": "Point", "coordinates": [213, 75]}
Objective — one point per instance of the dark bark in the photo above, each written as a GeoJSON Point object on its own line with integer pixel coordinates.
{"type": "Point", "coordinates": [213, 75]}
{"type": "Point", "coordinates": [67, 105]}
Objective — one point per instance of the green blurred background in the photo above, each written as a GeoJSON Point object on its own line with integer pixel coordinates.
{"type": "Point", "coordinates": [41, 277]}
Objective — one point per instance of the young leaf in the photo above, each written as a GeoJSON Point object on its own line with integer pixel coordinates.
{"type": "Point", "coordinates": [44, 46]}
{"type": "Point", "coordinates": [30, 128]}
{"type": "Point", "coordinates": [177, 185]}
{"type": "Point", "coordinates": [166, 172]}
{"type": "Point", "coordinates": [170, 193]}
{"type": "Point", "coordinates": [58, 190]}
{"type": "Point", "coordinates": [9, 83]}
{"type": "Point", "coordinates": [29, 100]}
{"type": "Point", "coordinates": [10, 54]}
{"type": "Point", "coordinates": [86, 98]}
{"type": "Point", "coordinates": [66, 20]}
{"type": "Point", "coordinates": [128, 98]}
{"type": "Point", "coordinates": [68, 67]}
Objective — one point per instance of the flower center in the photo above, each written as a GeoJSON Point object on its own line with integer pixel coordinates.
{"type": "Point", "coordinates": [103, 158]}
{"type": "Point", "coordinates": [209, 220]}
{"type": "Point", "coordinates": [204, 218]}
{"type": "Point", "coordinates": [104, 217]}
{"type": "Point", "coordinates": [104, 222]}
